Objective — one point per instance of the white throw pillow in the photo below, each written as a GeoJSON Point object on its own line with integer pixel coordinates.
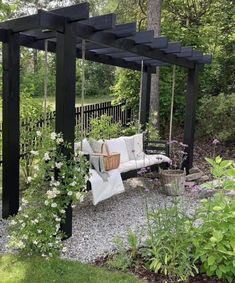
{"type": "Point", "coordinates": [86, 147]}
{"type": "Point", "coordinates": [118, 145]}
{"type": "Point", "coordinates": [130, 147]}
{"type": "Point", "coordinates": [138, 146]}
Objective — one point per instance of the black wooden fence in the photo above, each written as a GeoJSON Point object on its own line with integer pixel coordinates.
{"type": "Point", "coordinates": [119, 115]}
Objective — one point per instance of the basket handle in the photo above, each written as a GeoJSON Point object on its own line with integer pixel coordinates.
{"type": "Point", "coordinates": [105, 149]}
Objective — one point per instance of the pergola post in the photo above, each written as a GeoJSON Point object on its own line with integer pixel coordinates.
{"type": "Point", "coordinates": [65, 98]}
{"type": "Point", "coordinates": [189, 124]}
{"type": "Point", "coordinates": [145, 99]}
{"type": "Point", "coordinates": [11, 130]}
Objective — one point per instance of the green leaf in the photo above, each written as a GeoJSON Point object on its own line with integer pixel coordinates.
{"type": "Point", "coordinates": [211, 260]}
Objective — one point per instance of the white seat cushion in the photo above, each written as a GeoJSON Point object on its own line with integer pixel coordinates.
{"type": "Point", "coordinates": [147, 160]}
{"type": "Point", "coordinates": [118, 145]}
{"type": "Point", "coordinates": [127, 166]}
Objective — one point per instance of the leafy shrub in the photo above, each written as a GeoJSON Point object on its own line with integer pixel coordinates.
{"type": "Point", "coordinates": [214, 239]}
{"type": "Point", "coordinates": [216, 117]}
{"type": "Point", "coordinates": [169, 245]}
{"type": "Point", "coordinates": [223, 171]}
{"type": "Point", "coordinates": [54, 184]}
{"type": "Point", "coordinates": [104, 128]}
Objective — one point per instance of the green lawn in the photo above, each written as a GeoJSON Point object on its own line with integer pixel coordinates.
{"type": "Point", "coordinates": [88, 100]}
{"type": "Point", "coordinates": [15, 269]}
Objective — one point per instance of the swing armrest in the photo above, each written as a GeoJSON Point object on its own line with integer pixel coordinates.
{"type": "Point", "coordinates": [156, 147]}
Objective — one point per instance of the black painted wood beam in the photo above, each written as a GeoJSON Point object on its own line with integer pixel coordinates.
{"type": "Point", "coordinates": [123, 30]}
{"type": "Point", "coordinates": [11, 124]}
{"type": "Point", "coordinates": [172, 47]}
{"type": "Point", "coordinates": [73, 12]}
{"type": "Point", "coordinates": [185, 52]}
{"type": "Point", "coordinates": [159, 42]}
{"type": "Point", "coordinates": [206, 59]}
{"type": "Point", "coordinates": [65, 98]}
{"type": "Point", "coordinates": [42, 20]}
{"type": "Point", "coordinates": [189, 123]}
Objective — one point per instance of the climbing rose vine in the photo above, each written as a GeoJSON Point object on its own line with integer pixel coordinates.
{"type": "Point", "coordinates": [55, 183]}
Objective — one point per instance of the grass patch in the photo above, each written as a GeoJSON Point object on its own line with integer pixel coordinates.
{"type": "Point", "coordinates": [88, 100]}
{"type": "Point", "coordinates": [37, 270]}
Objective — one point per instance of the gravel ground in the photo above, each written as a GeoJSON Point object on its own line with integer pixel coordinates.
{"type": "Point", "coordinates": [96, 227]}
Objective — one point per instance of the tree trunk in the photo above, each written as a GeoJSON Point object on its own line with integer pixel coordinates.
{"type": "Point", "coordinates": [154, 23]}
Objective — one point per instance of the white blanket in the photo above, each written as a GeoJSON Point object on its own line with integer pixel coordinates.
{"type": "Point", "coordinates": [103, 190]}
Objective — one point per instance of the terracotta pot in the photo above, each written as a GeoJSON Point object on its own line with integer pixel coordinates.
{"type": "Point", "coordinates": [172, 182]}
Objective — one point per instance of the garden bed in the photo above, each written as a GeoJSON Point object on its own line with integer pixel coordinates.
{"type": "Point", "coordinates": [141, 272]}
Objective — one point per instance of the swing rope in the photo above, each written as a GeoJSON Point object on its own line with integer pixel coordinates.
{"type": "Point", "coordinates": [172, 102]}
{"type": "Point", "coordinates": [45, 81]}
{"type": "Point", "coordinates": [141, 91]}
{"type": "Point", "coordinates": [83, 89]}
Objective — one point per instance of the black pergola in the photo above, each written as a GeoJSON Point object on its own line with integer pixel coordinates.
{"type": "Point", "coordinates": [107, 42]}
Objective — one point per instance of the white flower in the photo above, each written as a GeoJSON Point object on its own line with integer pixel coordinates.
{"type": "Point", "coordinates": [58, 165]}
{"type": "Point", "coordinates": [20, 208]}
{"type": "Point", "coordinates": [54, 204]}
{"type": "Point", "coordinates": [13, 222]}
{"type": "Point", "coordinates": [58, 219]}
{"type": "Point", "coordinates": [39, 231]}
{"type": "Point", "coordinates": [70, 193]}
{"type": "Point", "coordinates": [35, 175]}
{"type": "Point", "coordinates": [29, 179]}
{"type": "Point", "coordinates": [78, 195]}
{"type": "Point", "coordinates": [46, 202]}
{"type": "Point", "coordinates": [34, 152]}
{"type": "Point", "coordinates": [73, 184]}
{"type": "Point", "coordinates": [64, 249]}
{"type": "Point", "coordinates": [35, 242]}
{"type": "Point", "coordinates": [62, 211]}
{"type": "Point", "coordinates": [59, 140]}
{"type": "Point", "coordinates": [57, 227]}
{"type": "Point", "coordinates": [26, 215]}
{"type": "Point", "coordinates": [50, 244]}
{"type": "Point", "coordinates": [46, 156]}
{"type": "Point", "coordinates": [36, 167]}
{"type": "Point", "coordinates": [38, 133]}
{"type": "Point", "coordinates": [36, 220]}
{"type": "Point", "coordinates": [24, 201]}
{"type": "Point", "coordinates": [53, 136]}
{"type": "Point", "coordinates": [23, 225]}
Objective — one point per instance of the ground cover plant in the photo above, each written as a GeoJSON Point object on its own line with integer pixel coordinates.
{"type": "Point", "coordinates": [34, 269]}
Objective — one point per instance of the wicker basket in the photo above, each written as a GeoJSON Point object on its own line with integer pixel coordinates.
{"type": "Point", "coordinates": [111, 160]}
{"type": "Point", "coordinates": [172, 182]}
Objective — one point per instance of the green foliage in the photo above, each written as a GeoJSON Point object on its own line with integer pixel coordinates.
{"type": "Point", "coordinates": [126, 255]}
{"type": "Point", "coordinates": [127, 89]}
{"type": "Point", "coordinates": [35, 229]}
{"type": "Point", "coordinates": [98, 79]}
{"type": "Point", "coordinates": [34, 269]}
{"type": "Point", "coordinates": [153, 134]}
{"type": "Point", "coordinates": [169, 245]}
{"type": "Point", "coordinates": [224, 172]}
{"type": "Point", "coordinates": [31, 112]}
{"type": "Point", "coordinates": [216, 117]}
{"type": "Point", "coordinates": [214, 239]}
{"type": "Point", "coordinates": [103, 128]}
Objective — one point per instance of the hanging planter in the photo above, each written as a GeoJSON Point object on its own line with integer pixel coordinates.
{"type": "Point", "coordinates": [172, 182]}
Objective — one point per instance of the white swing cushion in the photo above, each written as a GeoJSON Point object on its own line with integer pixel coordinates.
{"type": "Point", "coordinates": [118, 145]}
{"type": "Point", "coordinates": [86, 148]}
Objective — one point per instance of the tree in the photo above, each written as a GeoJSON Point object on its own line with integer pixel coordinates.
{"type": "Point", "coordinates": [154, 23]}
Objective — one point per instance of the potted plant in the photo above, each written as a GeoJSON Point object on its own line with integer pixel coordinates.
{"type": "Point", "coordinates": [173, 179]}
